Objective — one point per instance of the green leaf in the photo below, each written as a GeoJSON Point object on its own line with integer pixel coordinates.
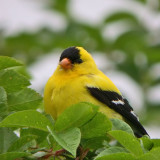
{"type": "Point", "coordinates": [40, 135]}
{"type": "Point", "coordinates": [28, 118]}
{"type": "Point", "coordinates": [156, 143]}
{"type": "Point", "coordinates": [68, 139]}
{"type": "Point", "coordinates": [24, 100]}
{"type": "Point", "coordinates": [23, 71]}
{"type": "Point", "coordinates": [75, 116]}
{"type": "Point", "coordinates": [128, 141]}
{"type": "Point", "coordinates": [111, 150]}
{"type": "Point", "coordinates": [7, 137]}
{"type": "Point", "coordinates": [154, 154]}
{"type": "Point", "coordinates": [94, 143]}
{"type": "Point", "coordinates": [53, 143]}
{"type": "Point", "coordinates": [3, 102]}
{"type": "Point", "coordinates": [147, 143]}
{"type": "Point", "coordinates": [50, 118]}
{"type": "Point", "coordinates": [13, 155]}
{"type": "Point", "coordinates": [147, 156]}
{"type": "Point", "coordinates": [117, 156]}
{"type": "Point", "coordinates": [22, 144]}
{"type": "Point", "coordinates": [7, 62]}
{"type": "Point", "coordinates": [96, 127]}
{"type": "Point", "coordinates": [12, 81]}
{"type": "Point", "coordinates": [118, 124]}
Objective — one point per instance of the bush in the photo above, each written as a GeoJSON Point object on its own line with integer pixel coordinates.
{"type": "Point", "coordinates": [80, 132]}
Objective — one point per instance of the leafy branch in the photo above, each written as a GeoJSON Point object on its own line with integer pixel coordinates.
{"type": "Point", "coordinates": [81, 132]}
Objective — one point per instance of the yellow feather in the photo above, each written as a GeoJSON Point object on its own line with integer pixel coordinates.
{"type": "Point", "coordinates": [67, 87]}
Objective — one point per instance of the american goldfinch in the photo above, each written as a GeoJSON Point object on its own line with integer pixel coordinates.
{"type": "Point", "coordinates": [77, 79]}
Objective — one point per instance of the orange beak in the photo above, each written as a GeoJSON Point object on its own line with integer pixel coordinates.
{"type": "Point", "coordinates": [65, 63]}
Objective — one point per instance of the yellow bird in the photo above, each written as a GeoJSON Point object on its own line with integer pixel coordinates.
{"type": "Point", "coordinates": [77, 79]}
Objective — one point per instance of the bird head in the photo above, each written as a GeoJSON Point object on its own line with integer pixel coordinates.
{"type": "Point", "coordinates": [76, 59]}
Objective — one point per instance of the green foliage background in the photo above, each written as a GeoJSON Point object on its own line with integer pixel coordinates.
{"type": "Point", "coordinates": [18, 103]}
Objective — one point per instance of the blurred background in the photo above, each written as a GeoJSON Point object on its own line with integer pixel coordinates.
{"type": "Point", "coordinates": [123, 36]}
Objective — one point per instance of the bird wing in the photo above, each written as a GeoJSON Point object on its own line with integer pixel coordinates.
{"type": "Point", "coordinates": [116, 102]}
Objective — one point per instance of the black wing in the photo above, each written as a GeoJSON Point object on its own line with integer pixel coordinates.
{"type": "Point", "coordinates": [121, 106]}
